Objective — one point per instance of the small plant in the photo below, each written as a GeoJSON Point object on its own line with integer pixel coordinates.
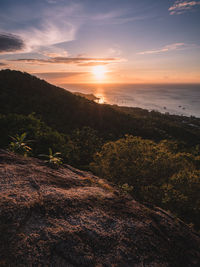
{"type": "Point", "coordinates": [53, 159]}
{"type": "Point", "coordinates": [127, 188]}
{"type": "Point", "coordinates": [19, 145]}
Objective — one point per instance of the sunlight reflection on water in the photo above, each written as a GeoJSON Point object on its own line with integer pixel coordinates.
{"type": "Point", "coordinates": [101, 95]}
{"type": "Point", "coordinates": [175, 99]}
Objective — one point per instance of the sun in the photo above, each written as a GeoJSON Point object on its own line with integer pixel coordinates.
{"type": "Point", "coordinates": [99, 72]}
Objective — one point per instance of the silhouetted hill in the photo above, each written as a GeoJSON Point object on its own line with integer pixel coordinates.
{"type": "Point", "coordinates": [22, 93]}
{"type": "Point", "coordinates": [68, 217]}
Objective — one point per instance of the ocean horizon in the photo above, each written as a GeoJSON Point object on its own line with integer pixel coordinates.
{"type": "Point", "coordinates": [178, 99]}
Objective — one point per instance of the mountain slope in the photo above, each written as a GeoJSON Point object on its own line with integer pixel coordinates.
{"type": "Point", "coordinates": [67, 217]}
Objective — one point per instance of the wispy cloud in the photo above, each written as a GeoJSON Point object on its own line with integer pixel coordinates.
{"type": "Point", "coordinates": [51, 1]}
{"type": "Point", "coordinates": [57, 75]}
{"type": "Point", "coordinates": [181, 6]}
{"type": "Point", "coordinates": [10, 43]}
{"type": "Point", "coordinates": [54, 54]}
{"type": "Point", "coordinates": [81, 61]}
{"type": "Point", "coordinates": [167, 48]}
{"type": "Point", "coordinates": [49, 33]}
{"type": "Point", "coordinates": [115, 51]}
{"type": "Point", "coordinates": [117, 17]}
{"type": "Point", "coordinates": [59, 24]}
{"type": "Point", "coordinates": [57, 21]}
{"type": "Point", "coordinates": [51, 25]}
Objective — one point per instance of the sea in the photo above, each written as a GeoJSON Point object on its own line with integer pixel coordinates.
{"type": "Point", "coordinates": [179, 99]}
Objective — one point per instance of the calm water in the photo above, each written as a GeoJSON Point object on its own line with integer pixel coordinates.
{"type": "Point", "coordinates": [175, 99]}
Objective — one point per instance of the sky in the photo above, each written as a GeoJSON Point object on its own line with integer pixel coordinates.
{"type": "Point", "coordinates": [107, 41]}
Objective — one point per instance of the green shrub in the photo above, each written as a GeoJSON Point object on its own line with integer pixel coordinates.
{"type": "Point", "coordinates": [126, 188]}
{"type": "Point", "coordinates": [181, 195]}
{"type": "Point", "coordinates": [138, 162]}
{"type": "Point", "coordinates": [43, 136]}
{"type": "Point", "coordinates": [155, 174]}
{"type": "Point", "coordinates": [19, 145]}
{"type": "Point", "coordinates": [53, 159]}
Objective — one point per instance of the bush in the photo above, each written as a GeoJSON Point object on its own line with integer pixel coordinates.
{"type": "Point", "coordinates": [138, 162]}
{"type": "Point", "coordinates": [181, 195]}
{"type": "Point", "coordinates": [53, 159]}
{"type": "Point", "coordinates": [155, 174]}
{"type": "Point", "coordinates": [19, 145]}
{"type": "Point", "coordinates": [42, 135]}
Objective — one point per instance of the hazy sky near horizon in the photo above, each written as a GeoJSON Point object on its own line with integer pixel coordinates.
{"type": "Point", "coordinates": [134, 41]}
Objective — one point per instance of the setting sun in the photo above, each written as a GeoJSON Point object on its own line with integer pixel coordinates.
{"type": "Point", "coordinates": [99, 72]}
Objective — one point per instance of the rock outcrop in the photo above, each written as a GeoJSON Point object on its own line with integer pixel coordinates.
{"type": "Point", "coordinates": [68, 217]}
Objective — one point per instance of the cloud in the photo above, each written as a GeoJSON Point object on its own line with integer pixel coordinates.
{"type": "Point", "coordinates": [117, 17]}
{"type": "Point", "coordinates": [57, 75]}
{"type": "Point", "coordinates": [63, 77]}
{"type": "Point", "coordinates": [45, 27]}
{"type": "Point", "coordinates": [81, 61]}
{"type": "Point", "coordinates": [49, 23]}
{"type": "Point", "coordinates": [115, 51]}
{"type": "Point", "coordinates": [181, 6]}
{"type": "Point", "coordinates": [53, 55]}
{"type": "Point", "coordinates": [51, 1]}
{"type": "Point", "coordinates": [2, 64]}
{"type": "Point", "coordinates": [10, 43]}
{"type": "Point", "coordinates": [47, 35]}
{"type": "Point", "coordinates": [95, 63]}
{"type": "Point", "coordinates": [167, 48]}
{"type": "Point", "coordinates": [54, 1]}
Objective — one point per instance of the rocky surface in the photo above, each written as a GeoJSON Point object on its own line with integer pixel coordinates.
{"type": "Point", "coordinates": [71, 218]}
